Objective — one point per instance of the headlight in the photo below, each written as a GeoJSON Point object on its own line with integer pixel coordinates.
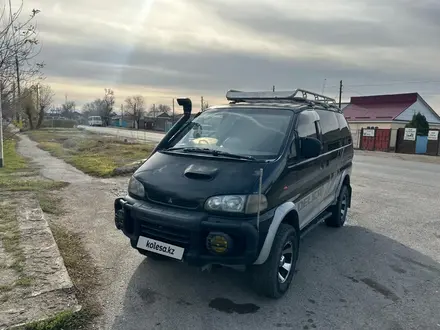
{"type": "Point", "coordinates": [136, 188]}
{"type": "Point", "coordinates": [236, 203]}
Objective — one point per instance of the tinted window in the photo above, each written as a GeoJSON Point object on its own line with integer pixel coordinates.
{"type": "Point", "coordinates": [331, 135]}
{"type": "Point", "coordinates": [345, 129]}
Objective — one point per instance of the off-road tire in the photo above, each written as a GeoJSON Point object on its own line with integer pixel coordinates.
{"type": "Point", "coordinates": [339, 211]}
{"type": "Point", "coordinates": [265, 277]}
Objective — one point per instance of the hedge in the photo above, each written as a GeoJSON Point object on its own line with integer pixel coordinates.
{"type": "Point", "coordinates": [63, 123]}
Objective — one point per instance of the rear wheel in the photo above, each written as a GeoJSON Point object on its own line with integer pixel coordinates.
{"type": "Point", "coordinates": [273, 278]}
{"type": "Point", "coordinates": [339, 211]}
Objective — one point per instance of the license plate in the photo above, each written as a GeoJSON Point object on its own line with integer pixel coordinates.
{"type": "Point", "coordinates": [159, 247]}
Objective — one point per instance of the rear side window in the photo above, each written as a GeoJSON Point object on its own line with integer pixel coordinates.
{"type": "Point", "coordinates": [331, 134]}
{"type": "Point", "coordinates": [345, 129]}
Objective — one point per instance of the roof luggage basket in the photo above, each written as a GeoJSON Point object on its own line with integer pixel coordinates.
{"type": "Point", "coordinates": [296, 96]}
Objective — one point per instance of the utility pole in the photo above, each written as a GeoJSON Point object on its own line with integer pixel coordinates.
{"type": "Point", "coordinates": [17, 65]}
{"type": "Point", "coordinates": [2, 164]}
{"type": "Point", "coordinates": [340, 93]}
{"type": "Point", "coordinates": [201, 104]}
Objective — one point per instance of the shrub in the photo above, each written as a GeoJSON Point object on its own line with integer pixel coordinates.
{"type": "Point", "coordinates": [60, 123]}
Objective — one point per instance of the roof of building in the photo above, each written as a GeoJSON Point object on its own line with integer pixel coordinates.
{"type": "Point", "coordinates": [379, 107]}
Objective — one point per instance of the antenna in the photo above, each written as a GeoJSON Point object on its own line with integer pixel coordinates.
{"type": "Point", "coordinates": [259, 198]}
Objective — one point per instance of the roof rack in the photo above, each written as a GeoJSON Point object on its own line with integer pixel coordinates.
{"type": "Point", "coordinates": [296, 96]}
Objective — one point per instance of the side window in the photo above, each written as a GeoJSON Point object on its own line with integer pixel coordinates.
{"type": "Point", "coordinates": [307, 126]}
{"type": "Point", "coordinates": [345, 129]}
{"type": "Point", "coordinates": [331, 134]}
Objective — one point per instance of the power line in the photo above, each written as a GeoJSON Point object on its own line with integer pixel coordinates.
{"type": "Point", "coordinates": [352, 90]}
{"type": "Point", "coordinates": [391, 83]}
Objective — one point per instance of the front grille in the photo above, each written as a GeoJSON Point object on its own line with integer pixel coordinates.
{"type": "Point", "coordinates": [171, 235]}
{"type": "Point", "coordinates": [160, 198]}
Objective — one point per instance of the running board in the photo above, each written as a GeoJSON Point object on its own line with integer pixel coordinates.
{"type": "Point", "coordinates": [315, 223]}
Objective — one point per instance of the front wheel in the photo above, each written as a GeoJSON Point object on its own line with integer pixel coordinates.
{"type": "Point", "coordinates": [273, 278]}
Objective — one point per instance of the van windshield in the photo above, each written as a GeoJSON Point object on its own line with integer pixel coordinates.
{"type": "Point", "coordinates": [259, 133]}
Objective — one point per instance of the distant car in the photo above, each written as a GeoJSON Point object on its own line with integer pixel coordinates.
{"type": "Point", "coordinates": [95, 121]}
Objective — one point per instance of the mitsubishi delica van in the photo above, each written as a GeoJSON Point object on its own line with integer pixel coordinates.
{"type": "Point", "coordinates": [239, 184]}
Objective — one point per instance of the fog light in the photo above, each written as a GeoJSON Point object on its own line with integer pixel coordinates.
{"type": "Point", "coordinates": [219, 243]}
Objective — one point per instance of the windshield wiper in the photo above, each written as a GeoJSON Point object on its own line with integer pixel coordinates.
{"type": "Point", "coordinates": [211, 152]}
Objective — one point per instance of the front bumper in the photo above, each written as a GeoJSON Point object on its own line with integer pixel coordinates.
{"type": "Point", "coordinates": [189, 229]}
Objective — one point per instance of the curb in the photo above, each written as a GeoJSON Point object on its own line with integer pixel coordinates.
{"type": "Point", "coordinates": [51, 290]}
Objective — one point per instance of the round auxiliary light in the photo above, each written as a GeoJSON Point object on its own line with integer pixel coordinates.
{"type": "Point", "coordinates": [219, 243]}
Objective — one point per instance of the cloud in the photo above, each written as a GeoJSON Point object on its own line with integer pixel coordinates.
{"type": "Point", "coordinates": [206, 47]}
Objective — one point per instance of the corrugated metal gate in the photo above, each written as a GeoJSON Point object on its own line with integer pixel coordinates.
{"type": "Point", "coordinates": [375, 139]}
{"type": "Point", "coordinates": [429, 145]}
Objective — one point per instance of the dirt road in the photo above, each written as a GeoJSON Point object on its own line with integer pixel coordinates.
{"type": "Point", "coordinates": [381, 271]}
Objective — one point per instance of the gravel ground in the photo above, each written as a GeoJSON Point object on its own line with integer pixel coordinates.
{"type": "Point", "coordinates": [381, 271]}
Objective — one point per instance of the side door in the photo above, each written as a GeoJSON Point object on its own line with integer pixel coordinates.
{"type": "Point", "coordinates": [332, 152]}
{"type": "Point", "coordinates": [305, 174]}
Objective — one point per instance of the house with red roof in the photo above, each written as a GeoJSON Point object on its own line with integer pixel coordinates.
{"type": "Point", "coordinates": [391, 111]}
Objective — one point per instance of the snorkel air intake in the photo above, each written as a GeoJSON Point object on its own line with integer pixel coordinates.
{"type": "Point", "coordinates": [187, 107]}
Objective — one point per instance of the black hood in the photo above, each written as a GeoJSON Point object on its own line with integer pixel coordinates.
{"type": "Point", "coordinates": [188, 180]}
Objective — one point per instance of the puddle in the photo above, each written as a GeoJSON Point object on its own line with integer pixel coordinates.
{"type": "Point", "coordinates": [228, 306]}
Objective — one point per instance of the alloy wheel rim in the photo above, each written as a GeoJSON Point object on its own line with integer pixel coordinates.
{"type": "Point", "coordinates": [343, 206]}
{"type": "Point", "coordinates": [286, 262]}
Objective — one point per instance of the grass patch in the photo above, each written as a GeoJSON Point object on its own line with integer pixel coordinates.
{"type": "Point", "coordinates": [50, 203]}
{"type": "Point", "coordinates": [66, 320]}
{"type": "Point", "coordinates": [24, 281]}
{"type": "Point", "coordinates": [29, 184]}
{"type": "Point", "coordinates": [13, 161]}
{"type": "Point", "coordinates": [10, 238]}
{"type": "Point", "coordinates": [93, 154]}
{"type": "Point", "coordinates": [84, 274]}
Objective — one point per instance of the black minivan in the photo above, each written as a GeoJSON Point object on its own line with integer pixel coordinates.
{"type": "Point", "coordinates": [239, 184]}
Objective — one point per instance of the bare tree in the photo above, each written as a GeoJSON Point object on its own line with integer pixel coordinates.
{"type": "Point", "coordinates": [44, 100]}
{"type": "Point", "coordinates": [163, 108]}
{"type": "Point", "coordinates": [135, 106]}
{"type": "Point", "coordinates": [28, 102]}
{"type": "Point", "coordinates": [93, 108]}
{"type": "Point", "coordinates": [108, 104]}
{"type": "Point", "coordinates": [67, 109]}
{"type": "Point", "coordinates": [18, 49]}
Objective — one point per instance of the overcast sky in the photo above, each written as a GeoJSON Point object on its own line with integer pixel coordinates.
{"type": "Point", "coordinates": [168, 48]}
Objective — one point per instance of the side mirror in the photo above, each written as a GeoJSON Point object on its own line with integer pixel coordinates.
{"type": "Point", "coordinates": [310, 147]}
